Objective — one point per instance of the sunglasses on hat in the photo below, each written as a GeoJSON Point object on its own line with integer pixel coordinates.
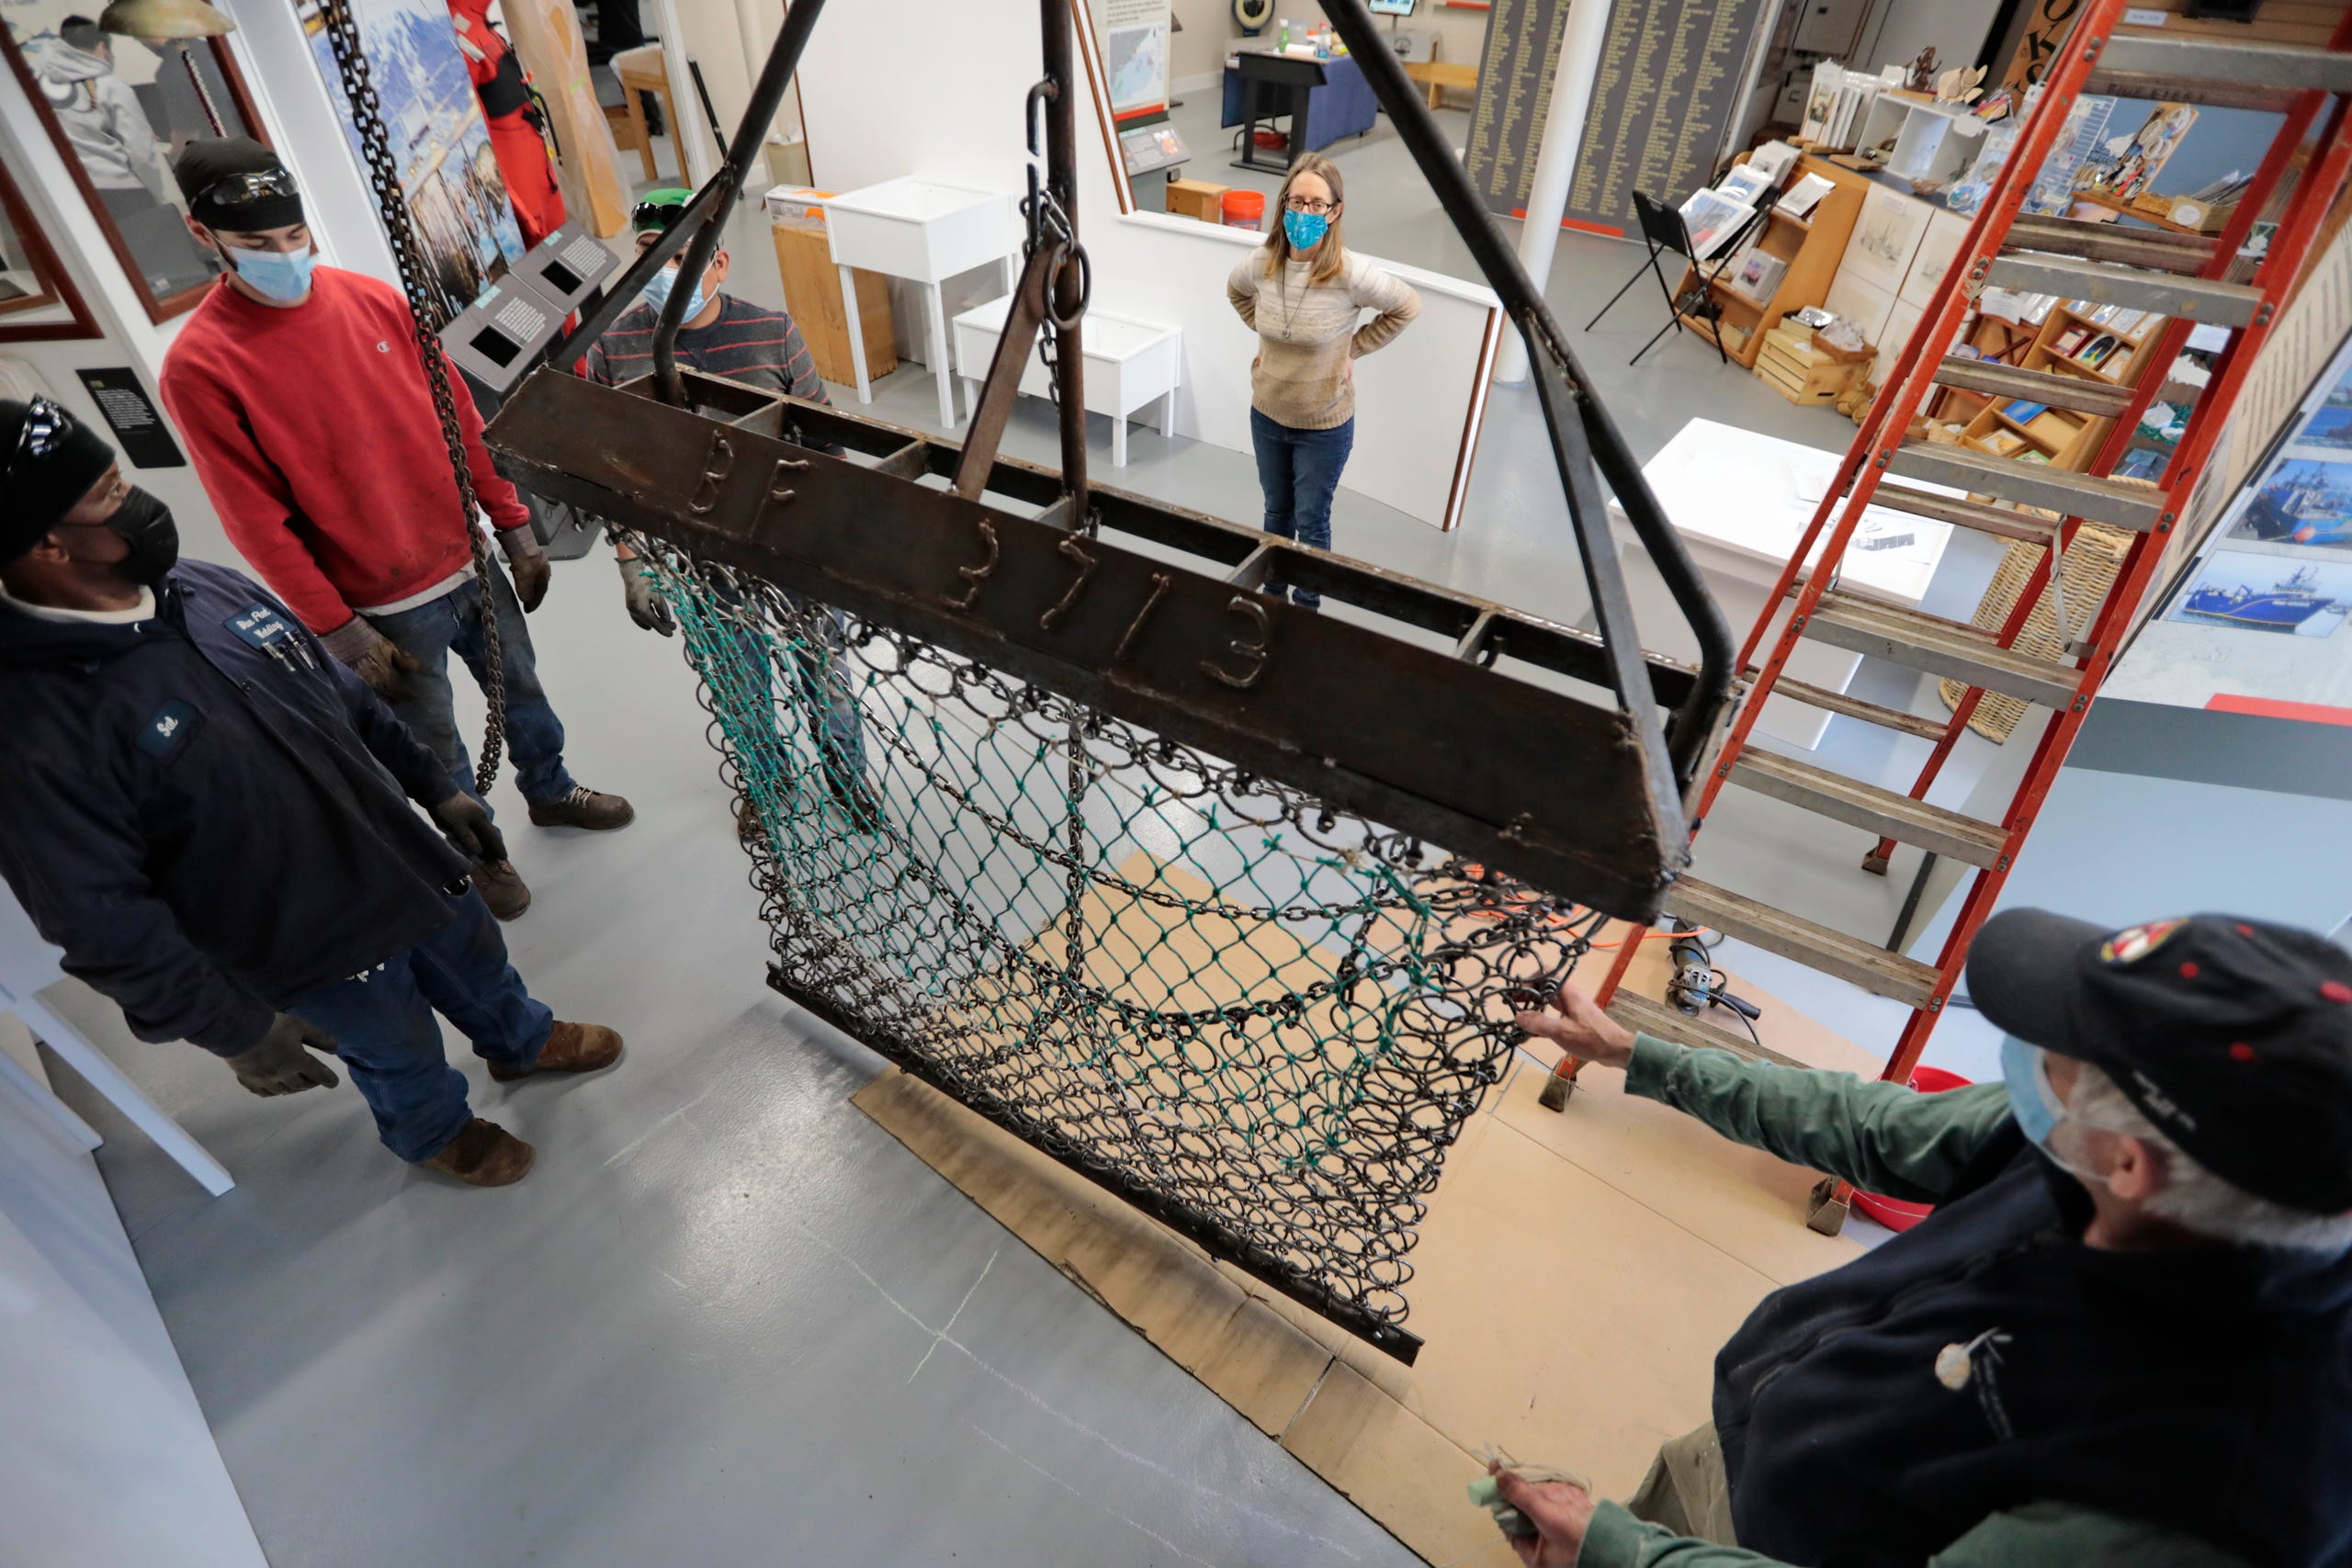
{"type": "Point", "coordinates": [238, 190]}
{"type": "Point", "coordinates": [46, 426]}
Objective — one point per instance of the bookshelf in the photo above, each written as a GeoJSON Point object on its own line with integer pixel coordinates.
{"type": "Point", "coordinates": [1812, 247]}
{"type": "Point", "coordinates": [2075, 339]}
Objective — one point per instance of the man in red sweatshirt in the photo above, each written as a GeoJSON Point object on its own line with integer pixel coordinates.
{"type": "Point", "coordinates": [303, 399]}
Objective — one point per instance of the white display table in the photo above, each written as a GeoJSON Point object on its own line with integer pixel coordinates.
{"type": "Point", "coordinates": [1128, 364]}
{"type": "Point", "coordinates": [923, 231]}
{"type": "Point", "coordinates": [1740, 500]}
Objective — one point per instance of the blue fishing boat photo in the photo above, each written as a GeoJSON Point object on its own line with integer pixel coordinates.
{"type": "Point", "coordinates": [2281, 608]}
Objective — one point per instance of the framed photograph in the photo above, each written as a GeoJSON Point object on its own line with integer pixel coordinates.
{"type": "Point", "coordinates": [2301, 502]}
{"type": "Point", "coordinates": [118, 111]}
{"type": "Point", "coordinates": [1712, 218]}
{"type": "Point", "coordinates": [38, 300]}
{"type": "Point", "coordinates": [457, 198]}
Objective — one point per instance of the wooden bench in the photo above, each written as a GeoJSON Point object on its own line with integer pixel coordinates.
{"type": "Point", "coordinates": [1439, 74]}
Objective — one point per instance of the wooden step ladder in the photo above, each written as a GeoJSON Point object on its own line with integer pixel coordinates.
{"type": "Point", "coordinates": [2181, 278]}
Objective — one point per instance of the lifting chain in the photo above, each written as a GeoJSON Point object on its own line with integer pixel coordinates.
{"type": "Point", "coordinates": [426, 316]}
{"type": "Point", "coordinates": [1049, 228]}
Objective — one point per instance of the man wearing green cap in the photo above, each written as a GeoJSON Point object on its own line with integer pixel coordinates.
{"type": "Point", "coordinates": [723, 335]}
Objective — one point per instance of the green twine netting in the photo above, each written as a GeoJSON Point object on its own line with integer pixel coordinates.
{"type": "Point", "coordinates": [1250, 1012]}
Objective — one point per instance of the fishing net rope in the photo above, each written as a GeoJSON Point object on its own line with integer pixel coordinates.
{"type": "Point", "coordinates": [1256, 1016]}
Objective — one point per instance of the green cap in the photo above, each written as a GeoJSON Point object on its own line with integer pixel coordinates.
{"type": "Point", "coordinates": [656, 211]}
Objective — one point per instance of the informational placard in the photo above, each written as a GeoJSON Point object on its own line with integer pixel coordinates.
{"type": "Point", "coordinates": [138, 431]}
{"type": "Point", "coordinates": [1135, 46]}
{"type": "Point", "coordinates": [1669, 82]}
{"type": "Point", "coordinates": [1514, 95]}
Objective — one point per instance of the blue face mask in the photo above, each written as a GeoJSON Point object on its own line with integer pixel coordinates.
{"type": "Point", "coordinates": [657, 294]}
{"type": "Point", "coordinates": [2031, 1100]}
{"type": "Point", "coordinates": [282, 276]}
{"type": "Point", "coordinates": [1306, 230]}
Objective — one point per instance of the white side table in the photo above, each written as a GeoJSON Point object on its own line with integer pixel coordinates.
{"type": "Point", "coordinates": [1741, 499]}
{"type": "Point", "coordinates": [923, 231]}
{"type": "Point", "coordinates": [1128, 365]}
{"type": "Point", "coordinates": [27, 964]}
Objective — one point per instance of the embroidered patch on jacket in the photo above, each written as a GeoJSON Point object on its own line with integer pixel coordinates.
{"type": "Point", "coordinates": [169, 728]}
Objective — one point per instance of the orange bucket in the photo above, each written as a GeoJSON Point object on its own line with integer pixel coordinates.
{"type": "Point", "coordinates": [1900, 1213]}
{"type": "Point", "coordinates": [1245, 209]}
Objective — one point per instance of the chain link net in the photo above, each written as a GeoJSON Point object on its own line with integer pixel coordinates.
{"type": "Point", "coordinates": [1206, 990]}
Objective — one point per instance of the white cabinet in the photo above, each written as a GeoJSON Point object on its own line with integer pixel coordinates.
{"type": "Point", "coordinates": [927, 231]}
{"type": "Point", "coordinates": [1128, 365]}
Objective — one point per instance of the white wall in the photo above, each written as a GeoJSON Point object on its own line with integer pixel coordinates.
{"type": "Point", "coordinates": [963, 127]}
{"type": "Point", "coordinates": [105, 1460]}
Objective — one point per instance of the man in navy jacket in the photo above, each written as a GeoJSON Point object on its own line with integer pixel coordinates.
{"type": "Point", "coordinates": [211, 815]}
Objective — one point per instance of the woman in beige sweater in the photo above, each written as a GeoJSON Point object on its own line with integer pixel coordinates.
{"type": "Point", "coordinates": [1303, 293]}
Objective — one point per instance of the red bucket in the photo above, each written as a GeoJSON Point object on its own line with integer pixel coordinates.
{"type": "Point", "coordinates": [1896, 1213]}
{"type": "Point", "coordinates": [1244, 210]}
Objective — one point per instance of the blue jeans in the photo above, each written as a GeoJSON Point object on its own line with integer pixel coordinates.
{"type": "Point", "coordinates": [429, 633]}
{"type": "Point", "coordinates": [1299, 471]}
{"type": "Point", "coordinates": [390, 1042]}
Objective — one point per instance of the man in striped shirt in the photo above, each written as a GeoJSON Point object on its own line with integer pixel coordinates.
{"type": "Point", "coordinates": [722, 335]}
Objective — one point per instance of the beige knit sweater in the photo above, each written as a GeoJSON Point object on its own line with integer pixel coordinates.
{"type": "Point", "coordinates": [1308, 341]}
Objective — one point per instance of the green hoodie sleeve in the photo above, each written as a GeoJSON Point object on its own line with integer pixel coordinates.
{"type": "Point", "coordinates": [1881, 1137]}
{"type": "Point", "coordinates": [2037, 1535]}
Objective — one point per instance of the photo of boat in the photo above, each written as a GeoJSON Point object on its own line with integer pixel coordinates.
{"type": "Point", "coordinates": [2303, 502]}
{"type": "Point", "coordinates": [2283, 607]}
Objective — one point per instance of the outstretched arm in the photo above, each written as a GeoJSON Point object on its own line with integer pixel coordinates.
{"type": "Point", "coordinates": [1882, 1137]}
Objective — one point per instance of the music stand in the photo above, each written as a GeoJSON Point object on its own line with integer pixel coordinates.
{"type": "Point", "coordinates": [1663, 230]}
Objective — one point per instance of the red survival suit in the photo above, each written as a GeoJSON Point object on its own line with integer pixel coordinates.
{"type": "Point", "coordinates": [515, 122]}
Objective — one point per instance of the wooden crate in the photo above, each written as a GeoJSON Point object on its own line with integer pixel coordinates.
{"type": "Point", "coordinates": [1788, 362]}
{"type": "Point", "coordinates": [812, 292]}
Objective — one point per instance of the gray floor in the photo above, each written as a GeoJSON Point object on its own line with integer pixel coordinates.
{"type": "Point", "coordinates": [727, 1320]}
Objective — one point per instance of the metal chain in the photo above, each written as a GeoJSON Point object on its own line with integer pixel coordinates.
{"type": "Point", "coordinates": [427, 318]}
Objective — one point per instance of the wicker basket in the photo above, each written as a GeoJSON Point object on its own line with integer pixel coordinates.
{"type": "Point", "coordinates": [2092, 562]}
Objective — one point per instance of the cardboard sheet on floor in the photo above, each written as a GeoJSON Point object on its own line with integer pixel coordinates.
{"type": "Point", "coordinates": [1575, 1275]}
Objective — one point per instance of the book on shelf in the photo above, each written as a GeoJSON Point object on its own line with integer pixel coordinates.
{"type": "Point", "coordinates": [1775, 159]}
{"type": "Point", "coordinates": [2071, 339]}
{"type": "Point", "coordinates": [2025, 412]}
{"type": "Point", "coordinates": [1755, 273]}
{"type": "Point", "coordinates": [1712, 220]}
{"type": "Point", "coordinates": [2098, 350]}
{"type": "Point", "coordinates": [1746, 184]}
{"type": "Point", "coordinates": [1999, 443]}
{"type": "Point", "coordinates": [1805, 194]}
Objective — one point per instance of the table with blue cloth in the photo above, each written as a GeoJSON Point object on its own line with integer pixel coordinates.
{"type": "Point", "coordinates": [1343, 106]}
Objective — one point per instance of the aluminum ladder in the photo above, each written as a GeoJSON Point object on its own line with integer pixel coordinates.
{"type": "Point", "coordinates": [2179, 277]}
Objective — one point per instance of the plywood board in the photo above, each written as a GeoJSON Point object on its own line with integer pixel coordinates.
{"type": "Point", "coordinates": [1574, 1277]}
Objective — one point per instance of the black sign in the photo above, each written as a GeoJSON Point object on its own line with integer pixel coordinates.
{"type": "Point", "coordinates": [146, 442]}
{"type": "Point", "coordinates": [1669, 81]}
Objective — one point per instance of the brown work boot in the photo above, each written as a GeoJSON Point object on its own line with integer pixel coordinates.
{"type": "Point", "coordinates": [501, 887]}
{"type": "Point", "coordinates": [484, 1155]}
{"type": "Point", "coordinates": [584, 807]}
{"type": "Point", "coordinates": [571, 1048]}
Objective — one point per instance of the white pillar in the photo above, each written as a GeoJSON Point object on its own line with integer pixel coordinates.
{"type": "Point", "coordinates": [1555, 160]}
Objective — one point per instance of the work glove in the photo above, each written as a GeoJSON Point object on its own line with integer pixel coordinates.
{"type": "Point", "coordinates": [467, 821]}
{"type": "Point", "coordinates": [644, 600]}
{"type": "Point", "coordinates": [527, 564]}
{"type": "Point", "coordinates": [277, 1064]}
{"type": "Point", "coordinates": [373, 657]}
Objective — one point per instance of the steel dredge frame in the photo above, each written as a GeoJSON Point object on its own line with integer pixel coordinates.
{"type": "Point", "coordinates": [1537, 781]}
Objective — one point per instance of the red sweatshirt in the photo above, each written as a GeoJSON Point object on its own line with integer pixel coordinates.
{"type": "Point", "coordinates": [313, 431]}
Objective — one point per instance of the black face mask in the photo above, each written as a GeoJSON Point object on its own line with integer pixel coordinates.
{"type": "Point", "coordinates": [145, 524]}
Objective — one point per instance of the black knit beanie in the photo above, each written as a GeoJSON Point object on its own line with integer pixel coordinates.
{"type": "Point", "coordinates": [42, 488]}
{"type": "Point", "coordinates": [206, 162]}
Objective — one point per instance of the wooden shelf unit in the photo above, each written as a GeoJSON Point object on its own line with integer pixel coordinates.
{"type": "Point", "coordinates": [2069, 439]}
{"type": "Point", "coordinates": [1812, 245]}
